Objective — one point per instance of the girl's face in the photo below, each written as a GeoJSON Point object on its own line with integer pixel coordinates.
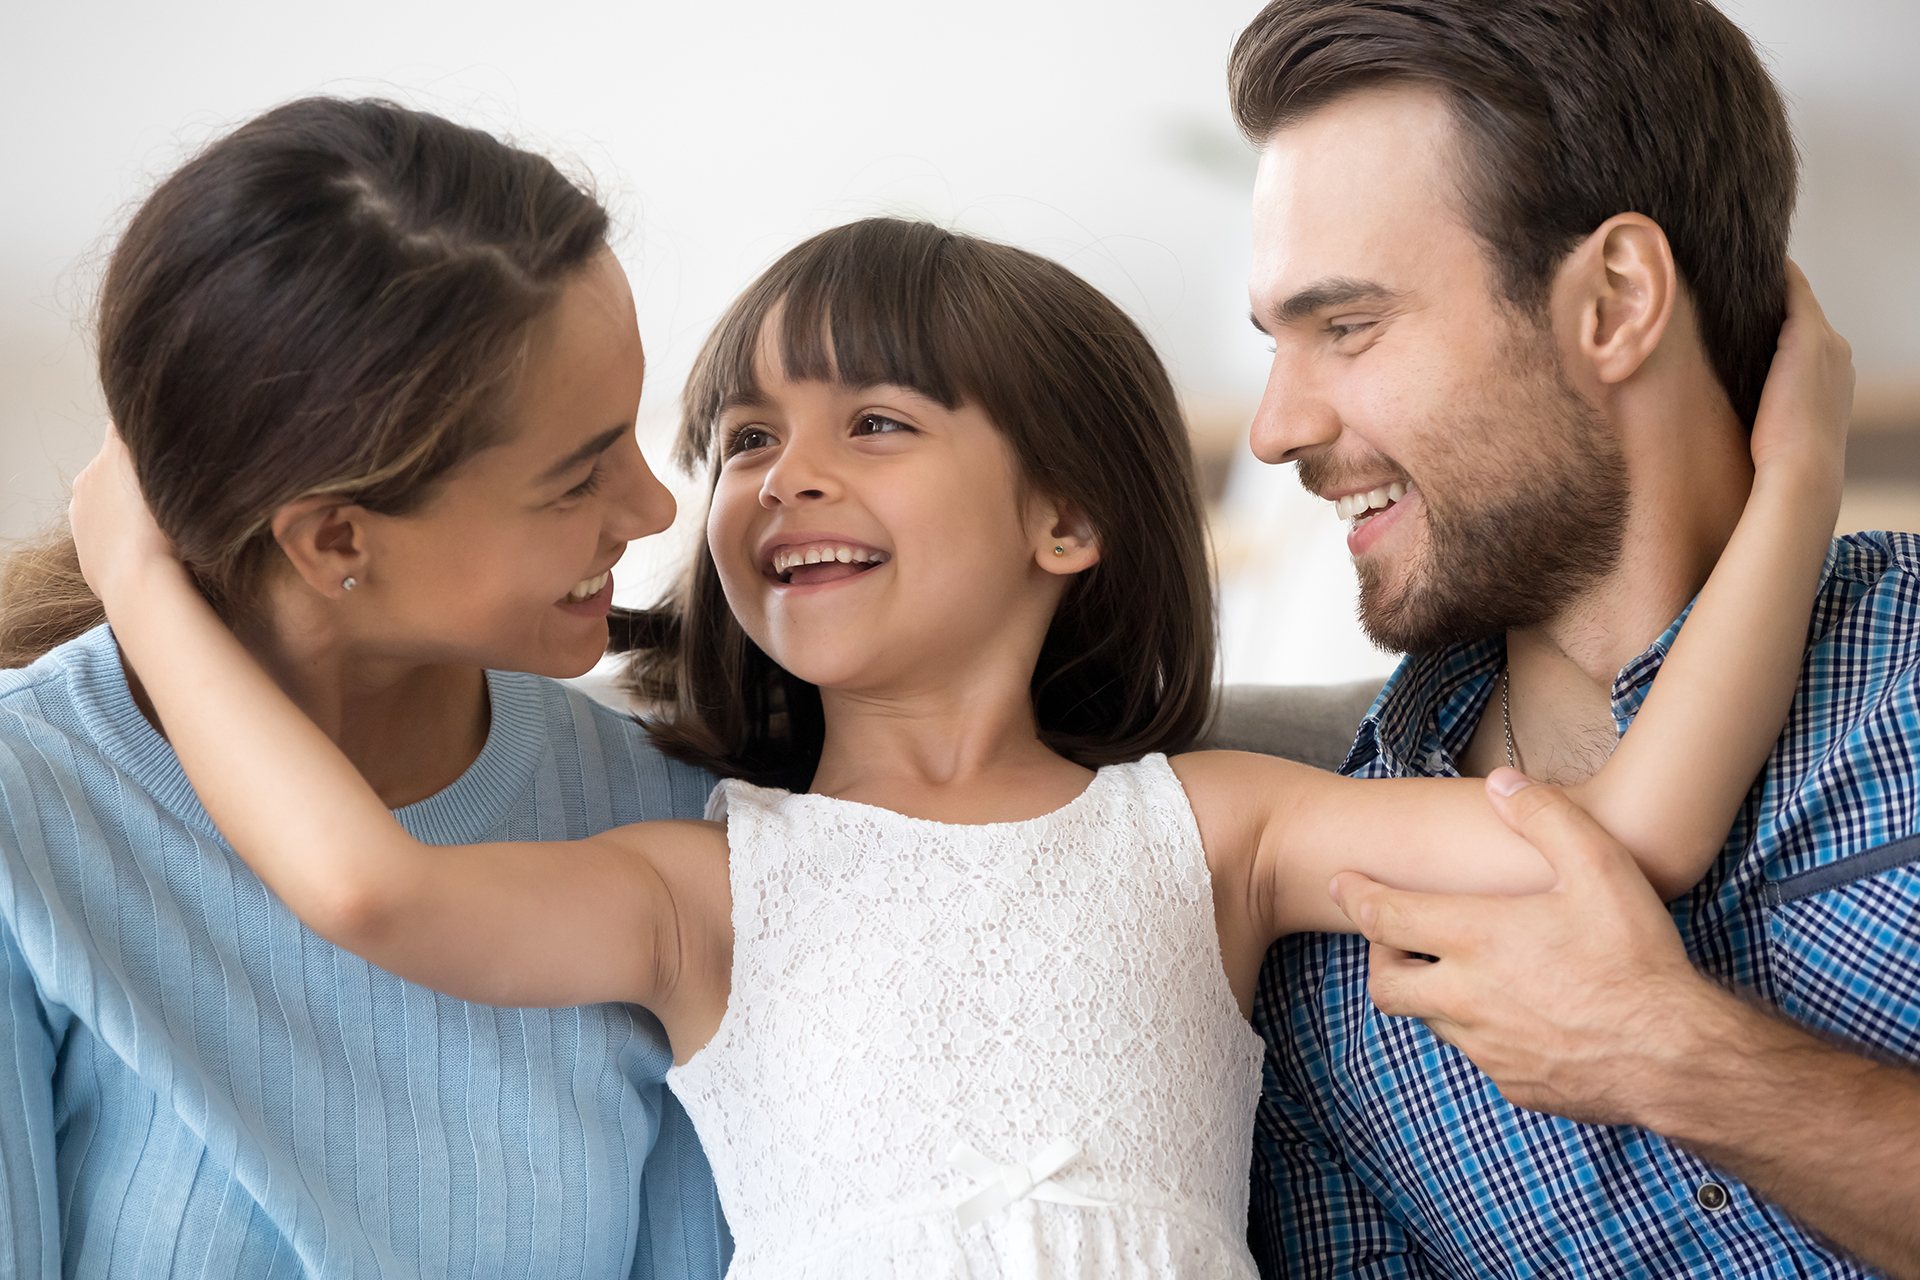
{"type": "Point", "coordinates": [509, 565]}
{"type": "Point", "coordinates": [869, 539]}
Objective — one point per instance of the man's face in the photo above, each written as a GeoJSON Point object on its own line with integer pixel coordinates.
{"type": "Point", "coordinates": [1484, 493]}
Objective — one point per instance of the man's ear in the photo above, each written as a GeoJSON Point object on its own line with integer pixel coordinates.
{"type": "Point", "coordinates": [1065, 543]}
{"type": "Point", "coordinates": [325, 540]}
{"type": "Point", "coordinates": [1615, 294]}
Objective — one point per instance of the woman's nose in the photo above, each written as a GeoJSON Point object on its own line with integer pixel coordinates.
{"type": "Point", "coordinates": [641, 506]}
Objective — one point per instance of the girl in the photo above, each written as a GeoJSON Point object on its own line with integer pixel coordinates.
{"type": "Point", "coordinates": [966, 1005]}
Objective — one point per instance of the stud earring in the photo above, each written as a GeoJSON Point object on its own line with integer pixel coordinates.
{"type": "Point", "coordinates": [1059, 551]}
{"type": "Point", "coordinates": [348, 584]}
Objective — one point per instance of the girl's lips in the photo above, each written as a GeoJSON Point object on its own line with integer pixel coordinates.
{"type": "Point", "coordinates": [594, 606]}
{"type": "Point", "coordinates": [1371, 531]}
{"type": "Point", "coordinates": [824, 576]}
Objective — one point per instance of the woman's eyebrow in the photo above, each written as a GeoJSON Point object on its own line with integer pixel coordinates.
{"type": "Point", "coordinates": [591, 449]}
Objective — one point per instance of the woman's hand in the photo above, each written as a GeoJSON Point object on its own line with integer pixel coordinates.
{"type": "Point", "coordinates": [1801, 429]}
{"type": "Point", "coordinates": [113, 529]}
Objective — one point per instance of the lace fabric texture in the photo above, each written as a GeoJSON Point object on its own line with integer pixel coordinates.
{"type": "Point", "coordinates": [901, 985]}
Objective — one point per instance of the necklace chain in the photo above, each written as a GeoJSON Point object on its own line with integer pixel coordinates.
{"type": "Point", "coordinates": [1506, 712]}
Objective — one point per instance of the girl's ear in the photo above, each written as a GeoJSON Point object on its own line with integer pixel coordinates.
{"type": "Point", "coordinates": [325, 540]}
{"type": "Point", "coordinates": [1065, 543]}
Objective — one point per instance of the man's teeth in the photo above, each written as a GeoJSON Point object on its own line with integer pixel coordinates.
{"type": "Point", "coordinates": [793, 557]}
{"type": "Point", "coordinates": [1359, 506]}
{"type": "Point", "coordinates": [588, 588]}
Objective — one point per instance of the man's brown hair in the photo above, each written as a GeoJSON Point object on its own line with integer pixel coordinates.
{"type": "Point", "coordinates": [1086, 406]}
{"type": "Point", "coordinates": [1569, 112]}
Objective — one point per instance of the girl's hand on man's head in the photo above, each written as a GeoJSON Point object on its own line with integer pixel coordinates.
{"type": "Point", "coordinates": [1801, 428]}
{"type": "Point", "coordinates": [113, 529]}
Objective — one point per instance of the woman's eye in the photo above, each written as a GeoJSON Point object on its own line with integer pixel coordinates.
{"type": "Point", "coordinates": [587, 486]}
{"type": "Point", "coordinates": [877, 424]}
{"type": "Point", "coordinates": [747, 439]}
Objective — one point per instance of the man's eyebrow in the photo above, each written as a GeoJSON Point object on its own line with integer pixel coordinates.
{"type": "Point", "coordinates": [1335, 291]}
{"type": "Point", "coordinates": [591, 449]}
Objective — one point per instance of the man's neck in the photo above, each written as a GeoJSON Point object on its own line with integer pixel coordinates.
{"type": "Point", "coordinates": [409, 729]}
{"type": "Point", "coordinates": [1689, 472]}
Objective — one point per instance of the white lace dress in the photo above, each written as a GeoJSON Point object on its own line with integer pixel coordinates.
{"type": "Point", "coordinates": [1003, 1050]}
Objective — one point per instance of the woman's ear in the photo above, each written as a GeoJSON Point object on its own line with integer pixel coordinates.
{"type": "Point", "coordinates": [1614, 296]}
{"type": "Point", "coordinates": [325, 540]}
{"type": "Point", "coordinates": [1064, 543]}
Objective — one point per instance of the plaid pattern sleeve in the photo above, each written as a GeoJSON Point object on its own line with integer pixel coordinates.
{"type": "Point", "coordinates": [1380, 1151]}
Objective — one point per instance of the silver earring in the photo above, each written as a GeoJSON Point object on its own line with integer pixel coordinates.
{"type": "Point", "coordinates": [349, 584]}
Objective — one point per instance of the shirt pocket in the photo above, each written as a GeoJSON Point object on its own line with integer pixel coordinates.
{"type": "Point", "coordinates": [1846, 941]}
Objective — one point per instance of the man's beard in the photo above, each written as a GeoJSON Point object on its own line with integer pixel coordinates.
{"type": "Point", "coordinates": [1515, 533]}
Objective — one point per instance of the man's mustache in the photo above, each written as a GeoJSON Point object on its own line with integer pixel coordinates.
{"type": "Point", "coordinates": [1321, 474]}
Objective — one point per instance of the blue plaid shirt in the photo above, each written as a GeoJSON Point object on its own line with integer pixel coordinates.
{"type": "Point", "coordinates": [1380, 1151]}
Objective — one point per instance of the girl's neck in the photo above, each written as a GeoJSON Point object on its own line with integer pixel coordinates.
{"type": "Point", "coordinates": [411, 729]}
{"type": "Point", "coordinates": [964, 753]}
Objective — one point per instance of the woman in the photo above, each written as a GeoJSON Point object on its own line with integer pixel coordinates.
{"type": "Point", "coordinates": [379, 374]}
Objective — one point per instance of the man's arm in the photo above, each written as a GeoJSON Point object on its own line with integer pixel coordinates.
{"type": "Point", "coordinates": [1581, 1002]}
{"type": "Point", "coordinates": [29, 1196]}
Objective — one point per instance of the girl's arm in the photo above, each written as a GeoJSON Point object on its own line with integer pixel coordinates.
{"type": "Point", "coordinates": [1675, 783]}
{"type": "Point", "coordinates": [510, 924]}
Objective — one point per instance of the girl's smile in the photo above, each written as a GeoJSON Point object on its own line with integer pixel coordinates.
{"type": "Point", "coordinates": [813, 560]}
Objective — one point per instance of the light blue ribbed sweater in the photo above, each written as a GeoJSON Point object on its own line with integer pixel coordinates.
{"type": "Point", "coordinates": [193, 1084]}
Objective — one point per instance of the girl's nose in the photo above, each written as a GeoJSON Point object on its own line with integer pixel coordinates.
{"type": "Point", "coordinates": [797, 476]}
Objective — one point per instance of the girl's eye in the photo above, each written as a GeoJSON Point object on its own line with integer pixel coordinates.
{"type": "Point", "coordinates": [877, 424]}
{"type": "Point", "coordinates": [746, 439]}
{"type": "Point", "coordinates": [588, 486]}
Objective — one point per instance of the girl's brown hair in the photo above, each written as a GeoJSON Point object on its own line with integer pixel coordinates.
{"type": "Point", "coordinates": [1127, 667]}
{"type": "Point", "coordinates": [330, 299]}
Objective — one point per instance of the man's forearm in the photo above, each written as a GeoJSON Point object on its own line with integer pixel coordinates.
{"type": "Point", "coordinates": [1826, 1133]}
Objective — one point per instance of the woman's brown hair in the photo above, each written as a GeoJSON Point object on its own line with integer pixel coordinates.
{"type": "Point", "coordinates": [1127, 667]}
{"type": "Point", "coordinates": [329, 299]}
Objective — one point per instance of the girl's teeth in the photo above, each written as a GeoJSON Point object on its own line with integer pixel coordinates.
{"type": "Point", "coordinates": [794, 558]}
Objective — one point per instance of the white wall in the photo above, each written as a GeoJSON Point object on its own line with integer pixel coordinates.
{"type": "Point", "coordinates": [722, 133]}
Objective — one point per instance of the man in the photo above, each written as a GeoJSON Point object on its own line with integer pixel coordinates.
{"type": "Point", "coordinates": [1522, 264]}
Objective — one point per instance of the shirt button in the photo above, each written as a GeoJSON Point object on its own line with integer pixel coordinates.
{"type": "Point", "coordinates": [1711, 1196]}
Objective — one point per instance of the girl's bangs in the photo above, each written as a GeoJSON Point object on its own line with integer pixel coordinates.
{"type": "Point", "coordinates": [872, 306]}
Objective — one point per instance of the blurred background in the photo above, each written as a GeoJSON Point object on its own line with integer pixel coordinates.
{"type": "Point", "coordinates": [720, 134]}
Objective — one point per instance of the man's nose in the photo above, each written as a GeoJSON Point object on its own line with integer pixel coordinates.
{"type": "Point", "coordinates": [1295, 419]}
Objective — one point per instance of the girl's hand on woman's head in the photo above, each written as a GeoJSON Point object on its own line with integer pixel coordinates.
{"type": "Point", "coordinates": [1801, 429]}
{"type": "Point", "coordinates": [113, 529]}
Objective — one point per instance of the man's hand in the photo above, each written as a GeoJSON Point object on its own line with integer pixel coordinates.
{"type": "Point", "coordinates": [1581, 1002]}
{"type": "Point", "coordinates": [1560, 997]}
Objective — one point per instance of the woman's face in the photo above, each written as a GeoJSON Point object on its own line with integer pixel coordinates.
{"type": "Point", "coordinates": [509, 565]}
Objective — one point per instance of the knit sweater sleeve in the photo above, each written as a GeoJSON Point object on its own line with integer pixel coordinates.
{"type": "Point", "coordinates": [29, 1198]}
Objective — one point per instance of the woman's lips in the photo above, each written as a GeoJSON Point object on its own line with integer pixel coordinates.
{"type": "Point", "coordinates": [593, 606]}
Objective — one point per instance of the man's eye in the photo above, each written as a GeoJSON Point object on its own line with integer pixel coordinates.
{"type": "Point", "coordinates": [1340, 331]}
{"type": "Point", "coordinates": [877, 424]}
{"type": "Point", "coordinates": [747, 439]}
